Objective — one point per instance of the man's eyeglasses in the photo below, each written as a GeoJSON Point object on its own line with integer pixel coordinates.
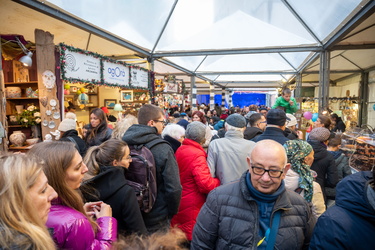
{"type": "Point", "coordinates": [162, 121]}
{"type": "Point", "coordinates": [271, 172]}
{"type": "Point", "coordinates": [129, 157]}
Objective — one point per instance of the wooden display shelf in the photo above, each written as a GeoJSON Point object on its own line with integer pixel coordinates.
{"type": "Point", "coordinates": [21, 83]}
{"type": "Point", "coordinates": [21, 149]}
{"type": "Point", "coordinates": [24, 98]}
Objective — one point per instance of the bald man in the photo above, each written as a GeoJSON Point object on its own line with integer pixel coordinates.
{"type": "Point", "coordinates": [239, 215]}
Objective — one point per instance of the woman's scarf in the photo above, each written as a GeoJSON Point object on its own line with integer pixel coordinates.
{"type": "Point", "coordinates": [297, 150]}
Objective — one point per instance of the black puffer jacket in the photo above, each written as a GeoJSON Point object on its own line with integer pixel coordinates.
{"type": "Point", "coordinates": [168, 177]}
{"type": "Point", "coordinates": [79, 143]}
{"type": "Point", "coordinates": [324, 165]}
{"type": "Point", "coordinates": [230, 220]}
{"type": "Point", "coordinates": [111, 187]}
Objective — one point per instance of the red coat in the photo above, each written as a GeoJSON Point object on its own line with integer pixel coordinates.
{"type": "Point", "coordinates": [196, 183]}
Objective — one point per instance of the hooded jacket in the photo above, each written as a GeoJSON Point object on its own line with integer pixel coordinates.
{"type": "Point", "coordinates": [167, 175]}
{"type": "Point", "coordinates": [112, 188]}
{"type": "Point", "coordinates": [79, 143]}
{"type": "Point", "coordinates": [196, 183]}
{"type": "Point", "coordinates": [251, 132]}
{"type": "Point", "coordinates": [72, 230]}
{"type": "Point", "coordinates": [350, 224]}
{"type": "Point", "coordinates": [324, 165]}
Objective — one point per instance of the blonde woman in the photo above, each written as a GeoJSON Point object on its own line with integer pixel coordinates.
{"type": "Point", "coordinates": [25, 201]}
{"type": "Point", "coordinates": [71, 219]}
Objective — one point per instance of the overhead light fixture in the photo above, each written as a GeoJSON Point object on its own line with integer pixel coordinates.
{"type": "Point", "coordinates": [26, 60]}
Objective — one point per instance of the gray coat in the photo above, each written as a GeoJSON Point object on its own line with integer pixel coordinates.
{"type": "Point", "coordinates": [227, 156]}
{"type": "Point", "coordinates": [230, 220]}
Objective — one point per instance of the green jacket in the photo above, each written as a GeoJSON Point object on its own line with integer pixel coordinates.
{"type": "Point", "coordinates": [280, 101]}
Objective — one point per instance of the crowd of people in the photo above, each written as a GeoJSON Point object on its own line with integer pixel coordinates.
{"type": "Point", "coordinates": [225, 179]}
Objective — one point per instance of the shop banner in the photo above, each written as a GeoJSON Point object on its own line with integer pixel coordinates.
{"type": "Point", "coordinates": [82, 67]}
{"type": "Point", "coordinates": [138, 78]}
{"type": "Point", "coordinates": [114, 73]}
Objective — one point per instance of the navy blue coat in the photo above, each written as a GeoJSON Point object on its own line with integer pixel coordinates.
{"type": "Point", "coordinates": [272, 133]}
{"type": "Point", "coordinates": [350, 224]}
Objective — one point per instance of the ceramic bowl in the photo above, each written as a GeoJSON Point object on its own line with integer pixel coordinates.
{"type": "Point", "coordinates": [32, 141]}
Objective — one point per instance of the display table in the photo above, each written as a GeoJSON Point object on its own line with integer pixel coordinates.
{"type": "Point", "coordinates": [360, 150]}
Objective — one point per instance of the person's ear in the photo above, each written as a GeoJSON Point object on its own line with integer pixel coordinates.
{"type": "Point", "coordinates": [287, 167]}
{"type": "Point", "coordinates": [151, 123]}
{"type": "Point", "coordinates": [248, 161]}
{"type": "Point", "coordinates": [114, 163]}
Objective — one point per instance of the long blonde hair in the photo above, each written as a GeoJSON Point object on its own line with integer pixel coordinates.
{"type": "Point", "coordinates": [18, 174]}
{"type": "Point", "coordinates": [58, 156]}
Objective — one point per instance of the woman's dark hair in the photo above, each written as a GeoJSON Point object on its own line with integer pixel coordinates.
{"type": "Point", "coordinates": [201, 116]}
{"type": "Point", "coordinates": [325, 121]}
{"type": "Point", "coordinates": [334, 116]}
{"type": "Point", "coordinates": [93, 132]}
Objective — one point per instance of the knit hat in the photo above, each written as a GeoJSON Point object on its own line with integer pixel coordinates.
{"type": "Point", "coordinates": [319, 134]}
{"type": "Point", "coordinates": [196, 131]}
{"type": "Point", "coordinates": [276, 117]}
{"type": "Point", "coordinates": [67, 124]}
{"type": "Point", "coordinates": [223, 116]}
{"type": "Point", "coordinates": [236, 120]}
{"type": "Point", "coordinates": [293, 120]}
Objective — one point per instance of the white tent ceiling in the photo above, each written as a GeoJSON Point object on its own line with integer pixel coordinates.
{"type": "Point", "coordinates": [236, 44]}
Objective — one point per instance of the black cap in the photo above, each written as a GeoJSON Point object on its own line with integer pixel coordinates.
{"type": "Point", "coordinates": [176, 115]}
{"type": "Point", "coordinates": [276, 117]}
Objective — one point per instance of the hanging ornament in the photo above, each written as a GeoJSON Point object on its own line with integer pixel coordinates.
{"type": "Point", "coordinates": [83, 98]}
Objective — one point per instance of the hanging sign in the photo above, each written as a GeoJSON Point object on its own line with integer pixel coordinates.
{"type": "Point", "coordinates": [138, 78]}
{"type": "Point", "coordinates": [83, 67]}
{"type": "Point", "coordinates": [171, 87]}
{"type": "Point", "coordinates": [116, 74]}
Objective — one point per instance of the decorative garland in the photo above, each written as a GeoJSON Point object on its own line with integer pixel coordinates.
{"type": "Point", "coordinates": [102, 82]}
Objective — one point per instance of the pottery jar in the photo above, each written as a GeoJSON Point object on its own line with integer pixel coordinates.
{"type": "Point", "coordinates": [17, 138]}
{"type": "Point", "coordinates": [13, 92]}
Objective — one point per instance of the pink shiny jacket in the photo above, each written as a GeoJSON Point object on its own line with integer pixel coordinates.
{"type": "Point", "coordinates": [72, 230]}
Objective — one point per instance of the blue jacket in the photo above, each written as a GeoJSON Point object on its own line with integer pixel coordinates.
{"type": "Point", "coordinates": [350, 224]}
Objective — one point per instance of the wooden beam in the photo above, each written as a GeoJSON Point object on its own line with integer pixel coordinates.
{"type": "Point", "coordinates": [45, 58]}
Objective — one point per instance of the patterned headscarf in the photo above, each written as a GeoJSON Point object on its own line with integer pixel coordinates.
{"type": "Point", "coordinates": [297, 150]}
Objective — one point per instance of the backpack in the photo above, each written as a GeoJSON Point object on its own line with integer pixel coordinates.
{"type": "Point", "coordinates": [141, 174]}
